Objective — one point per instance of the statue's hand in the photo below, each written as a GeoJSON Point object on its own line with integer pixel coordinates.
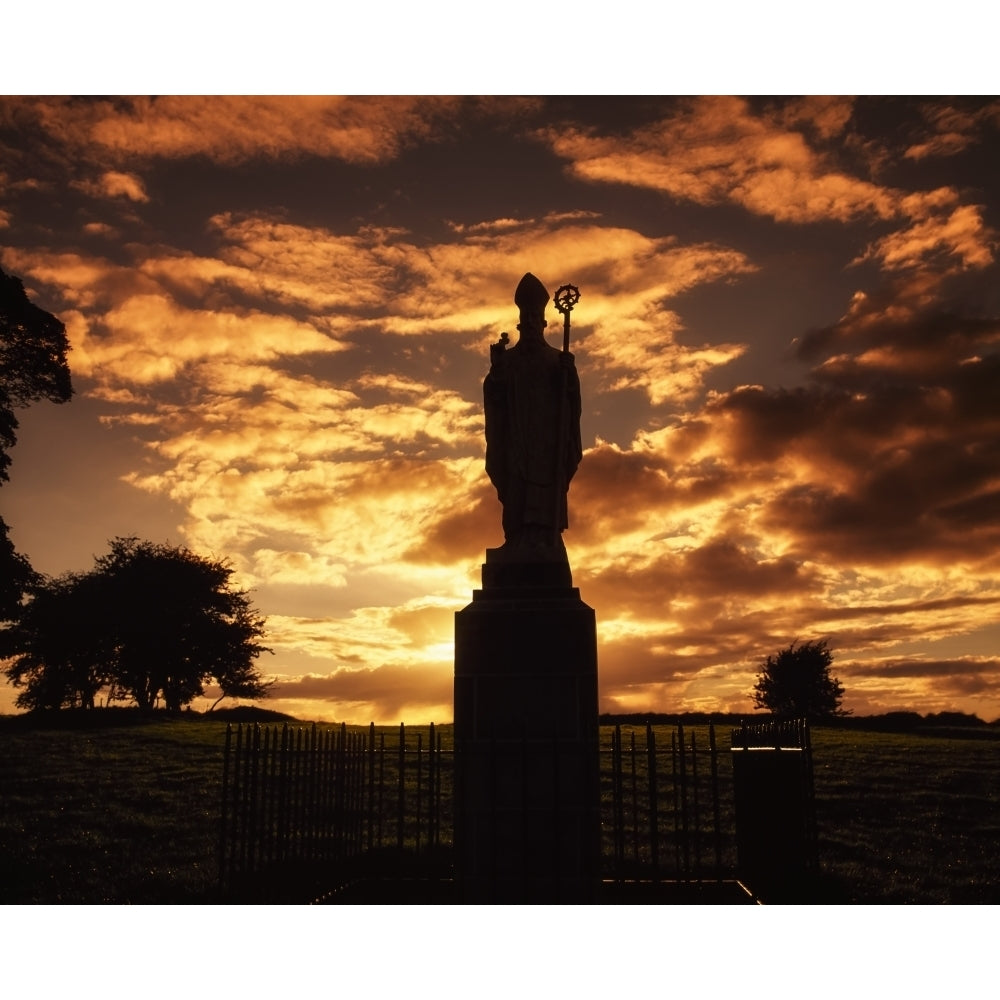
{"type": "Point", "coordinates": [497, 349]}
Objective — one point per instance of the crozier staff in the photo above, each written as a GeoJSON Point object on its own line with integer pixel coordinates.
{"type": "Point", "coordinates": [532, 402]}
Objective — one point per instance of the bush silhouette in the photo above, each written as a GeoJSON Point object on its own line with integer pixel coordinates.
{"type": "Point", "coordinates": [796, 683]}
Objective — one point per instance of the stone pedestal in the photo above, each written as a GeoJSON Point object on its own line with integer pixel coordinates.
{"type": "Point", "coordinates": [527, 817]}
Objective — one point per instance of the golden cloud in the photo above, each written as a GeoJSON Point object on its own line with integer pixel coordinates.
{"type": "Point", "coordinates": [231, 129]}
{"type": "Point", "coordinates": [83, 282]}
{"type": "Point", "coordinates": [954, 128]}
{"type": "Point", "coordinates": [114, 184]}
{"type": "Point", "coordinates": [385, 694]}
{"type": "Point", "coordinates": [961, 234]}
{"type": "Point", "coordinates": [150, 339]}
{"type": "Point", "coordinates": [716, 149]}
{"type": "Point", "coordinates": [348, 283]}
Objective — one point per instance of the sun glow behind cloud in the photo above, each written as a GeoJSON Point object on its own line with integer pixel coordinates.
{"type": "Point", "coordinates": [306, 390]}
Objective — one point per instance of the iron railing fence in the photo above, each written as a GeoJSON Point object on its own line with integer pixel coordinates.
{"type": "Point", "coordinates": [304, 809]}
{"type": "Point", "coordinates": [667, 805]}
{"type": "Point", "coordinates": [307, 810]}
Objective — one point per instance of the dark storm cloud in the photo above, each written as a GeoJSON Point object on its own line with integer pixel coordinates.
{"type": "Point", "coordinates": [894, 439]}
{"type": "Point", "coordinates": [459, 528]}
{"type": "Point", "coordinates": [761, 425]}
{"type": "Point", "coordinates": [618, 490]}
{"type": "Point", "coordinates": [720, 570]}
{"type": "Point", "coordinates": [911, 607]}
{"type": "Point", "coordinates": [959, 670]}
{"type": "Point", "coordinates": [917, 503]}
{"type": "Point", "coordinates": [887, 684]}
{"type": "Point", "coordinates": [907, 329]}
{"type": "Point", "coordinates": [614, 487]}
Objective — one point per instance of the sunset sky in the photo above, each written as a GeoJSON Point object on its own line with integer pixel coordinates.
{"type": "Point", "coordinates": [280, 312]}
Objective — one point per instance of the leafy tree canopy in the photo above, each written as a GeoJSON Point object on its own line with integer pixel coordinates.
{"type": "Point", "coordinates": [33, 348]}
{"type": "Point", "coordinates": [148, 623]}
{"type": "Point", "coordinates": [796, 683]}
{"type": "Point", "coordinates": [16, 576]}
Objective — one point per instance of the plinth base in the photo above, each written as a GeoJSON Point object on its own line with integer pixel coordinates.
{"type": "Point", "coordinates": [525, 569]}
{"type": "Point", "coordinates": [527, 819]}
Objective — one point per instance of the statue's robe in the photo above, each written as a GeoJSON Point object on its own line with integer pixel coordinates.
{"type": "Point", "coordinates": [533, 448]}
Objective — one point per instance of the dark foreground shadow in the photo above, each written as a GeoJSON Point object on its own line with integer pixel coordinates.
{"type": "Point", "coordinates": [446, 892]}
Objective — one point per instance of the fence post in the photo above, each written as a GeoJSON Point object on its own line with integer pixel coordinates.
{"type": "Point", "coordinates": [772, 788]}
{"type": "Point", "coordinates": [340, 792]}
{"type": "Point", "coordinates": [716, 820]}
{"type": "Point", "coordinates": [401, 792]}
{"type": "Point", "coordinates": [675, 786]}
{"type": "Point", "coordinates": [433, 788]}
{"type": "Point", "coordinates": [250, 802]}
{"type": "Point", "coordinates": [635, 799]}
{"type": "Point", "coordinates": [371, 786]}
{"type": "Point", "coordinates": [356, 760]}
{"type": "Point", "coordinates": [266, 812]}
{"type": "Point", "coordinates": [420, 749]}
{"type": "Point", "coordinates": [283, 793]}
{"type": "Point", "coordinates": [695, 811]}
{"type": "Point", "coordinates": [685, 843]}
{"type": "Point", "coordinates": [381, 785]}
{"type": "Point", "coordinates": [311, 789]}
{"type": "Point", "coordinates": [654, 834]}
{"type": "Point", "coordinates": [618, 796]}
{"type": "Point", "coordinates": [224, 815]}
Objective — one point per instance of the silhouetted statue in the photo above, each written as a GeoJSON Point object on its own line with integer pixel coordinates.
{"type": "Point", "coordinates": [532, 402]}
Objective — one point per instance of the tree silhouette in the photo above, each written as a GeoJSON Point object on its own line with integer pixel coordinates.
{"type": "Point", "coordinates": [796, 683]}
{"type": "Point", "coordinates": [148, 623]}
{"type": "Point", "coordinates": [58, 647]}
{"type": "Point", "coordinates": [33, 366]}
{"type": "Point", "coordinates": [33, 349]}
{"type": "Point", "coordinates": [16, 576]}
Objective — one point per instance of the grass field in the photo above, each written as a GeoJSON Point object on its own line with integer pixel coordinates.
{"type": "Point", "coordinates": [129, 812]}
{"type": "Point", "coordinates": [908, 818]}
{"type": "Point", "coordinates": [119, 814]}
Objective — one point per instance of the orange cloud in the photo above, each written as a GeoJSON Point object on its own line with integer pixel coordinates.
{"type": "Point", "coordinates": [961, 235]}
{"type": "Point", "coordinates": [149, 339]}
{"type": "Point", "coordinates": [231, 129]}
{"type": "Point", "coordinates": [713, 150]}
{"type": "Point", "coordinates": [954, 128]}
{"type": "Point", "coordinates": [716, 149]}
{"type": "Point", "coordinates": [378, 279]}
{"type": "Point", "coordinates": [115, 184]}
{"type": "Point", "coordinates": [384, 694]}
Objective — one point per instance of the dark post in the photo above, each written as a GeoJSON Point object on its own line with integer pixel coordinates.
{"type": "Point", "coordinates": [654, 836]}
{"type": "Point", "coordinates": [401, 787]}
{"type": "Point", "coordinates": [371, 786]}
{"type": "Point", "coordinates": [224, 849]}
{"type": "Point", "coordinates": [772, 785]}
{"type": "Point", "coordinates": [716, 820]}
